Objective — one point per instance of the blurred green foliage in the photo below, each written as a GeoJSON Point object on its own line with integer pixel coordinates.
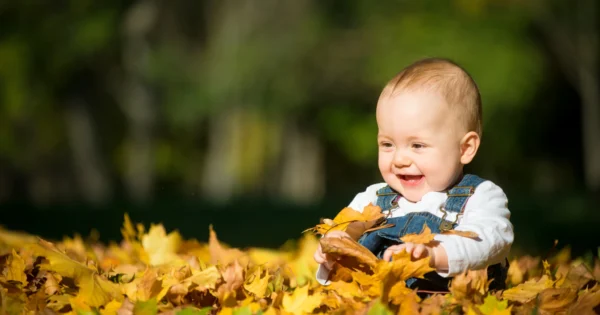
{"type": "Point", "coordinates": [220, 99]}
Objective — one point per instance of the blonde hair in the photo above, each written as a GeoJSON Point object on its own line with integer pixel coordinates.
{"type": "Point", "coordinates": [446, 77]}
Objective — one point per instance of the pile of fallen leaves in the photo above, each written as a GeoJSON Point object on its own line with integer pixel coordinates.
{"type": "Point", "coordinates": [152, 272]}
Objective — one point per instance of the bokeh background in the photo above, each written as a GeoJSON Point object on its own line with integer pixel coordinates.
{"type": "Point", "coordinates": [258, 116]}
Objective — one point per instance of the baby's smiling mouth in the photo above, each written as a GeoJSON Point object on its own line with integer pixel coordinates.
{"type": "Point", "coordinates": [410, 179]}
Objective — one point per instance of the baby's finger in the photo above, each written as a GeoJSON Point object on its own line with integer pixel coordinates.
{"type": "Point", "coordinates": [419, 251]}
{"type": "Point", "coordinates": [409, 247]}
{"type": "Point", "coordinates": [387, 255]}
{"type": "Point", "coordinates": [319, 256]}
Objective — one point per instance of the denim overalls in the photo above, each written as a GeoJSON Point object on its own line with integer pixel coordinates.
{"type": "Point", "coordinates": [378, 241]}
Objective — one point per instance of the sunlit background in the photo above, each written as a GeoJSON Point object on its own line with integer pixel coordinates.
{"type": "Point", "coordinates": [258, 116]}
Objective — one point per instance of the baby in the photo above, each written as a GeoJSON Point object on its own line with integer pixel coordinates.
{"type": "Point", "coordinates": [429, 121]}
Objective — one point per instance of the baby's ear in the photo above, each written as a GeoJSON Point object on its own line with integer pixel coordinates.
{"type": "Point", "coordinates": [469, 145]}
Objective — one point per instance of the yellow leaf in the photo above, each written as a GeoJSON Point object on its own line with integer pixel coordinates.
{"type": "Point", "coordinates": [94, 290]}
{"type": "Point", "coordinates": [398, 293]}
{"type": "Point", "coordinates": [16, 239]}
{"type": "Point", "coordinates": [219, 254]}
{"type": "Point", "coordinates": [161, 248]}
{"type": "Point", "coordinates": [349, 290]}
{"type": "Point", "coordinates": [409, 304]}
{"type": "Point", "coordinates": [527, 291]}
{"type": "Point", "coordinates": [127, 230]}
{"type": "Point", "coordinates": [207, 278]}
{"type": "Point", "coordinates": [16, 269]}
{"type": "Point", "coordinates": [491, 305]}
{"type": "Point", "coordinates": [425, 237]}
{"type": "Point", "coordinates": [77, 304]}
{"type": "Point", "coordinates": [299, 302]}
{"type": "Point", "coordinates": [403, 267]}
{"type": "Point", "coordinates": [256, 284]}
{"type": "Point", "coordinates": [546, 265]}
{"type": "Point", "coordinates": [111, 308]}
{"type": "Point", "coordinates": [515, 274]}
{"type": "Point", "coordinates": [149, 286]}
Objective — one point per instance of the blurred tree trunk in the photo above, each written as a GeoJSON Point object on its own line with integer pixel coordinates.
{"type": "Point", "coordinates": [302, 175]}
{"type": "Point", "coordinates": [220, 179]}
{"type": "Point", "coordinates": [90, 172]}
{"type": "Point", "coordinates": [577, 50]}
{"type": "Point", "coordinates": [137, 101]}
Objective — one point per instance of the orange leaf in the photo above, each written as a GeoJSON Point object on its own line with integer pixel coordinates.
{"type": "Point", "coordinates": [221, 254]}
{"type": "Point", "coordinates": [527, 291]}
{"type": "Point", "coordinates": [361, 221]}
{"type": "Point", "coordinates": [425, 237]}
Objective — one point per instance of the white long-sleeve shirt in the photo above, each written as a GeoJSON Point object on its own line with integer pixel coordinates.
{"type": "Point", "coordinates": [486, 213]}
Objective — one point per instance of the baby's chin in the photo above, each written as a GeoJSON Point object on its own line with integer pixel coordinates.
{"type": "Point", "coordinates": [409, 193]}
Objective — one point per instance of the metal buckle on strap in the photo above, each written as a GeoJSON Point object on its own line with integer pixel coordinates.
{"type": "Point", "coordinates": [446, 225]}
{"type": "Point", "coordinates": [458, 188]}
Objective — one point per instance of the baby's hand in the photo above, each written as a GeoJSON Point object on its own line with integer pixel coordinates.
{"type": "Point", "coordinates": [417, 251]}
{"type": "Point", "coordinates": [326, 259]}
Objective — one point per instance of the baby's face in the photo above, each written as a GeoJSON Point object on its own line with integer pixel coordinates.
{"type": "Point", "coordinates": [419, 143]}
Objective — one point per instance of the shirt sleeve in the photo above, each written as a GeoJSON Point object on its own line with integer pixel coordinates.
{"type": "Point", "coordinates": [360, 201]}
{"type": "Point", "coordinates": [486, 213]}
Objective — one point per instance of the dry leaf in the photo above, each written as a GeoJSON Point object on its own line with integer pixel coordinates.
{"type": "Point", "coordinates": [361, 221]}
{"type": "Point", "coordinates": [469, 284]}
{"type": "Point", "coordinates": [527, 291]}
{"type": "Point", "coordinates": [94, 290]}
{"type": "Point", "coordinates": [424, 237]}
{"type": "Point", "coordinates": [467, 234]}
{"type": "Point", "coordinates": [299, 302]}
{"type": "Point", "coordinates": [257, 283]}
{"type": "Point", "coordinates": [554, 300]}
{"type": "Point", "coordinates": [346, 246]}
{"type": "Point", "coordinates": [161, 248]}
{"type": "Point", "coordinates": [16, 269]}
{"type": "Point", "coordinates": [219, 254]}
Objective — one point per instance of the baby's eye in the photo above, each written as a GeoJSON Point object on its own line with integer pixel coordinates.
{"type": "Point", "coordinates": [418, 146]}
{"type": "Point", "coordinates": [385, 144]}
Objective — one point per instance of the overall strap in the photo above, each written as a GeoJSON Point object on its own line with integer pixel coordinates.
{"type": "Point", "coordinates": [457, 199]}
{"type": "Point", "coordinates": [387, 198]}
{"type": "Point", "coordinates": [459, 194]}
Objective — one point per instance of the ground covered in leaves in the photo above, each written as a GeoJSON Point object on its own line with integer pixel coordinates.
{"type": "Point", "coordinates": [151, 271]}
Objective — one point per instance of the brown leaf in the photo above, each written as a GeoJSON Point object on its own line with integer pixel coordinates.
{"type": "Point", "coordinates": [556, 299]}
{"type": "Point", "coordinates": [588, 301]}
{"type": "Point", "coordinates": [346, 246]}
{"type": "Point", "coordinates": [467, 234]}
{"type": "Point", "coordinates": [233, 277]}
{"type": "Point", "coordinates": [578, 276]}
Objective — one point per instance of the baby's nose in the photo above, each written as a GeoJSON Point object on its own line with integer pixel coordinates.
{"type": "Point", "coordinates": [402, 160]}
